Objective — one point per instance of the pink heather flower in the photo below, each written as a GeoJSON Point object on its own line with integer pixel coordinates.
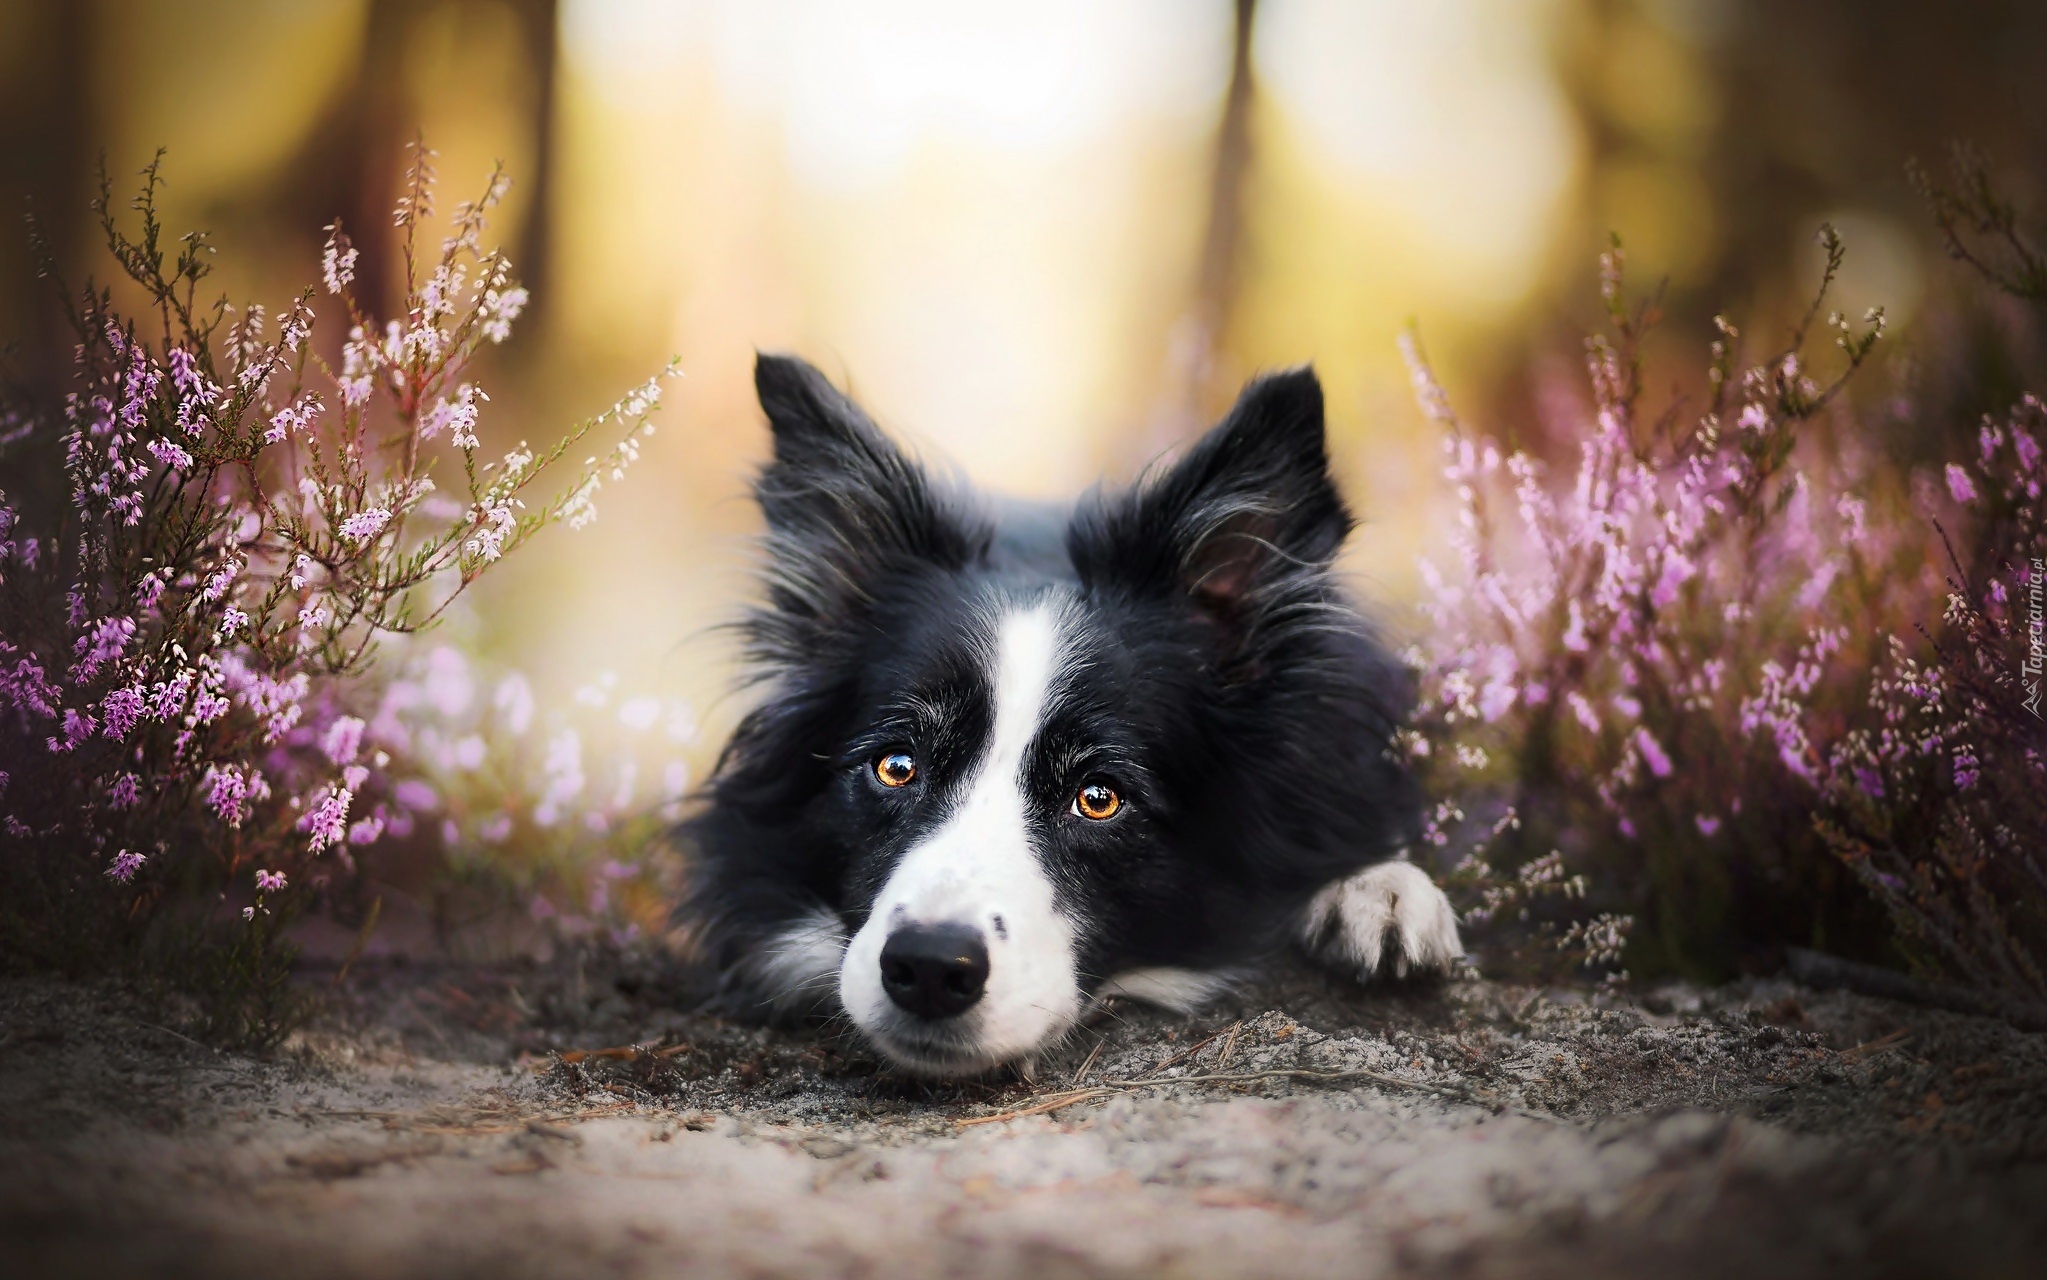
{"type": "Point", "coordinates": [127, 789]}
{"type": "Point", "coordinates": [1582, 709]}
{"type": "Point", "coordinates": [77, 728]}
{"type": "Point", "coordinates": [354, 776]}
{"type": "Point", "coordinates": [1869, 782]}
{"type": "Point", "coordinates": [416, 795]}
{"type": "Point", "coordinates": [185, 375]}
{"type": "Point", "coordinates": [301, 571]}
{"type": "Point", "coordinates": [104, 643]}
{"type": "Point", "coordinates": [227, 794]}
{"type": "Point", "coordinates": [1708, 824]}
{"type": "Point", "coordinates": [223, 578]}
{"type": "Point", "coordinates": [1494, 701]}
{"type": "Point", "coordinates": [268, 881]}
{"type": "Point", "coordinates": [28, 688]}
{"type": "Point", "coordinates": [167, 697]}
{"type": "Point", "coordinates": [366, 831]}
{"type": "Point", "coordinates": [122, 708]}
{"type": "Point", "coordinates": [326, 821]}
{"type": "Point", "coordinates": [1959, 486]}
{"type": "Point", "coordinates": [1652, 753]}
{"type": "Point", "coordinates": [148, 591]}
{"type": "Point", "coordinates": [1627, 706]}
{"type": "Point", "coordinates": [170, 455]}
{"type": "Point", "coordinates": [1627, 828]}
{"type": "Point", "coordinates": [343, 739]}
{"type": "Point", "coordinates": [126, 863]}
{"type": "Point", "coordinates": [495, 829]}
{"type": "Point", "coordinates": [2026, 447]}
{"type": "Point", "coordinates": [231, 621]}
{"type": "Point", "coordinates": [365, 524]}
{"type": "Point", "coordinates": [1966, 773]}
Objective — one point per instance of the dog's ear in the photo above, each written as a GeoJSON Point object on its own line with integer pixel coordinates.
{"type": "Point", "coordinates": [845, 507]}
{"type": "Point", "coordinates": [1240, 523]}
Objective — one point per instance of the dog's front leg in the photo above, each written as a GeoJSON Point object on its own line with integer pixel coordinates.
{"type": "Point", "coordinates": [1389, 912]}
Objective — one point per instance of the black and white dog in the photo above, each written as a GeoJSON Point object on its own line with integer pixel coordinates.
{"type": "Point", "coordinates": [1012, 760]}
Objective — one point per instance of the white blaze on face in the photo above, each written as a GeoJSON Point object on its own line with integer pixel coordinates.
{"type": "Point", "coordinates": [978, 868]}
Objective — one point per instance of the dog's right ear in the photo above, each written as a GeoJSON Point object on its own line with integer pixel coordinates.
{"type": "Point", "coordinates": [845, 507]}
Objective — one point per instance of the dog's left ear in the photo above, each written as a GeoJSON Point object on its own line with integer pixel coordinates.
{"type": "Point", "coordinates": [1250, 509]}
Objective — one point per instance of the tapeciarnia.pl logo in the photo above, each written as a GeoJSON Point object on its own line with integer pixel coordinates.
{"type": "Point", "coordinates": [2036, 636]}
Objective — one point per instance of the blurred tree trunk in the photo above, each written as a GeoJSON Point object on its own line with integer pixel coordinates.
{"type": "Point", "coordinates": [1196, 377]}
{"type": "Point", "coordinates": [540, 31]}
{"type": "Point", "coordinates": [46, 127]}
{"type": "Point", "coordinates": [1215, 294]}
{"type": "Point", "coordinates": [352, 163]}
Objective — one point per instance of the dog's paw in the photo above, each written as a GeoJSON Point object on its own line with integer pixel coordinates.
{"type": "Point", "coordinates": [1391, 912]}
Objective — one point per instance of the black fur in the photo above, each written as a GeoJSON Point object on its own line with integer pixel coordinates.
{"type": "Point", "coordinates": [1232, 691]}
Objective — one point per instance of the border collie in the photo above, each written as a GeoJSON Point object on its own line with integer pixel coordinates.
{"type": "Point", "coordinates": [1014, 760]}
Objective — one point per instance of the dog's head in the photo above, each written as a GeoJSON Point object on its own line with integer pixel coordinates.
{"type": "Point", "coordinates": [1008, 764]}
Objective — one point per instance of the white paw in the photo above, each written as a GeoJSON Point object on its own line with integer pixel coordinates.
{"type": "Point", "coordinates": [1349, 922]}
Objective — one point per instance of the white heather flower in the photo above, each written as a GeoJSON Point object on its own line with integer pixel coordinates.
{"type": "Point", "coordinates": [365, 524]}
{"type": "Point", "coordinates": [456, 415]}
{"type": "Point", "coordinates": [581, 507]}
{"type": "Point", "coordinates": [500, 308]}
{"type": "Point", "coordinates": [494, 521]}
{"type": "Point", "coordinates": [337, 260]}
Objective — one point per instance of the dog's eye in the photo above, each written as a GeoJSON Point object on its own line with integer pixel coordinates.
{"type": "Point", "coordinates": [896, 769]}
{"type": "Point", "coordinates": [1097, 803]}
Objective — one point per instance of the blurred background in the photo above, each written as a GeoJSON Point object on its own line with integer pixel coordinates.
{"type": "Point", "coordinates": [1043, 241]}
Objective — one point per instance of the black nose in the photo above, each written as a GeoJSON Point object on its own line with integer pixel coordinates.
{"type": "Point", "coordinates": [934, 971]}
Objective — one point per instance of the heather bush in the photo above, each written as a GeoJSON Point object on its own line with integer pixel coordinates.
{"type": "Point", "coordinates": [250, 512]}
{"type": "Point", "coordinates": [1619, 671]}
{"type": "Point", "coordinates": [1936, 795]}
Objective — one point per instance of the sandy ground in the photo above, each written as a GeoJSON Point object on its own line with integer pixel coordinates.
{"type": "Point", "coordinates": [452, 1121]}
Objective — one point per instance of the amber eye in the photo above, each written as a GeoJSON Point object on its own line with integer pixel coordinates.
{"type": "Point", "coordinates": [1097, 802]}
{"type": "Point", "coordinates": [896, 769]}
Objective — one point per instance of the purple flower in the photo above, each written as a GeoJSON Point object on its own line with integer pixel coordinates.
{"type": "Point", "coordinates": [343, 740]}
{"type": "Point", "coordinates": [1966, 772]}
{"type": "Point", "coordinates": [1959, 486]}
{"type": "Point", "coordinates": [1869, 782]}
{"type": "Point", "coordinates": [2027, 448]}
{"type": "Point", "coordinates": [1708, 824]}
{"type": "Point", "coordinates": [267, 881]}
{"type": "Point", "coordinates": [326, 822]}
{"type": "Point", "coordinates": [127, 789]}
{"type": "Point", "coordinates": [105, 642]}
{"type": "Point", "coordinates": [77, 728]}
{"type": "Point", "coordinates": [227, 794]}
{"type": "Point", "coordinates": [1652, 753]}
{"type": "Point", "coordinates": [126, 863]}
{"type": "Point", "coordinates": [170, 455]}
{"type": "Point", "coordinates": [122, 708]}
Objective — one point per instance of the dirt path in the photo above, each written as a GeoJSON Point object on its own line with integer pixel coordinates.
{"type": "Point", "coordinates": [440, 1122]}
